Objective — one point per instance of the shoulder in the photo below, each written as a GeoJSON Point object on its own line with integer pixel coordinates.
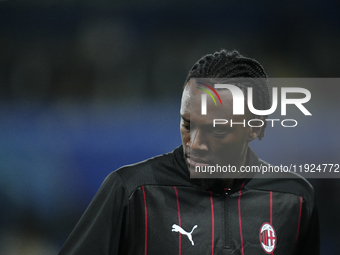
{"type": "Point", "coordinates": [160, 170]}
{"type": "Point", "coordinates": [269, 177]}
{"type": "Point", "coordinates": [147, 166]}
{"type": "Point", "coordinates": [285, 182]}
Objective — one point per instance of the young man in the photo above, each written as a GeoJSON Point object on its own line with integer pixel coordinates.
{"type": "Point", "coordinates": [154, 207]}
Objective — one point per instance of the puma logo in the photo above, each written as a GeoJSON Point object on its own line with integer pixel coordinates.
{"type": "Point", "coordinates": [177, 228]}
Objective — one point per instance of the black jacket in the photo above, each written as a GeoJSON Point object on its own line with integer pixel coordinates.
{"type": "Point", "coordinates": [154, 208]}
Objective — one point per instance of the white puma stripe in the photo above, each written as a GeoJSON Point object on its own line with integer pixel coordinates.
{"type": "Point", "coordinates": [177, 228]}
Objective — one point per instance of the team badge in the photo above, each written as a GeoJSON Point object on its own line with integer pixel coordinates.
{"type": "Point", "coordinates": [268, 237]}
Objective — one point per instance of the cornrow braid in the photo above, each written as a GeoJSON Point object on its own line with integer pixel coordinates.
{"type": "Point", "coordinates": [232, 64]}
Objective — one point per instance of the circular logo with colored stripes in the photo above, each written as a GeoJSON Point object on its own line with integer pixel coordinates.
{"type": "Point", "coordinates": [268, 237]}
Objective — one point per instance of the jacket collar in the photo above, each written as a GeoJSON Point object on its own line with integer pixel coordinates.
{"type": "Point", "coordinates": [217, 185]}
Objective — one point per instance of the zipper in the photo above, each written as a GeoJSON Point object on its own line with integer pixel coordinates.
{"type": "Point", "coordinates": [227, 241]}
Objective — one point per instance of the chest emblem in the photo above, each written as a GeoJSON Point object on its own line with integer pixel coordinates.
{"type": "Point", "coordinates": [268, 237]}
{"type": "Point", "coordinates": [177, 228]}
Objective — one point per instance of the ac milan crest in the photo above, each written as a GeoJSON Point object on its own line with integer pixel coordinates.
{"type": "Point", "coordinates": [268, 237]}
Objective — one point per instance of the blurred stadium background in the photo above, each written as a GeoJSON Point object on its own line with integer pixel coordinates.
{"type": "Point", "coordinates": [89, 86]}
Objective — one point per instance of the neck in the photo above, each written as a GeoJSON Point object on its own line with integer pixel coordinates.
{"type": "Point", "coordinates": [228, 182]}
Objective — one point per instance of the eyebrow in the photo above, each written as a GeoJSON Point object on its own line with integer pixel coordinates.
{"type": "Point", "coordinates": [226, 126]}
{"type": "Point", "coordinates": [185, 119]}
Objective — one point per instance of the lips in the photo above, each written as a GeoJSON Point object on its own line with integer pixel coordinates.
{"type": "Point", "coordinates": [194, 161]}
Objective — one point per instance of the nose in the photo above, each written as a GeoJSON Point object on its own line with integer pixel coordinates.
{"type": "Point", "coordinates": [198, 140]}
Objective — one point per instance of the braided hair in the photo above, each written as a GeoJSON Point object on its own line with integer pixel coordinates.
{"type": "Point", "coordinates": [225, 64]}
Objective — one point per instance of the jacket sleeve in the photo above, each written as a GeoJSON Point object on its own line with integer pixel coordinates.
{"type": "Point", "coordinates": [309, 242]}
{"type": "Point", "coordinates": [99, 229]}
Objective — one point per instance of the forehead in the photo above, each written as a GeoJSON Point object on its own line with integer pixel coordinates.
{"type": "Point", "coordinates": [192, 102]}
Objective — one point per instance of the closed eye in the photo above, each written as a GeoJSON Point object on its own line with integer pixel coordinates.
{"type": "Point", "coordinates": [186, 126]}
{"type": "Point", "coordinates": [185, 123]}
{"type": "Point", "coordinates": [219, 134]}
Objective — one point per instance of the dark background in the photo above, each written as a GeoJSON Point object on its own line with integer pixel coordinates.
{"type": "Point", "coordinates": [89, 86]}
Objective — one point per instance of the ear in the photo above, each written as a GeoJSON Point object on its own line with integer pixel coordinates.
{"type": "Point", "coordinates": [254, 132]}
